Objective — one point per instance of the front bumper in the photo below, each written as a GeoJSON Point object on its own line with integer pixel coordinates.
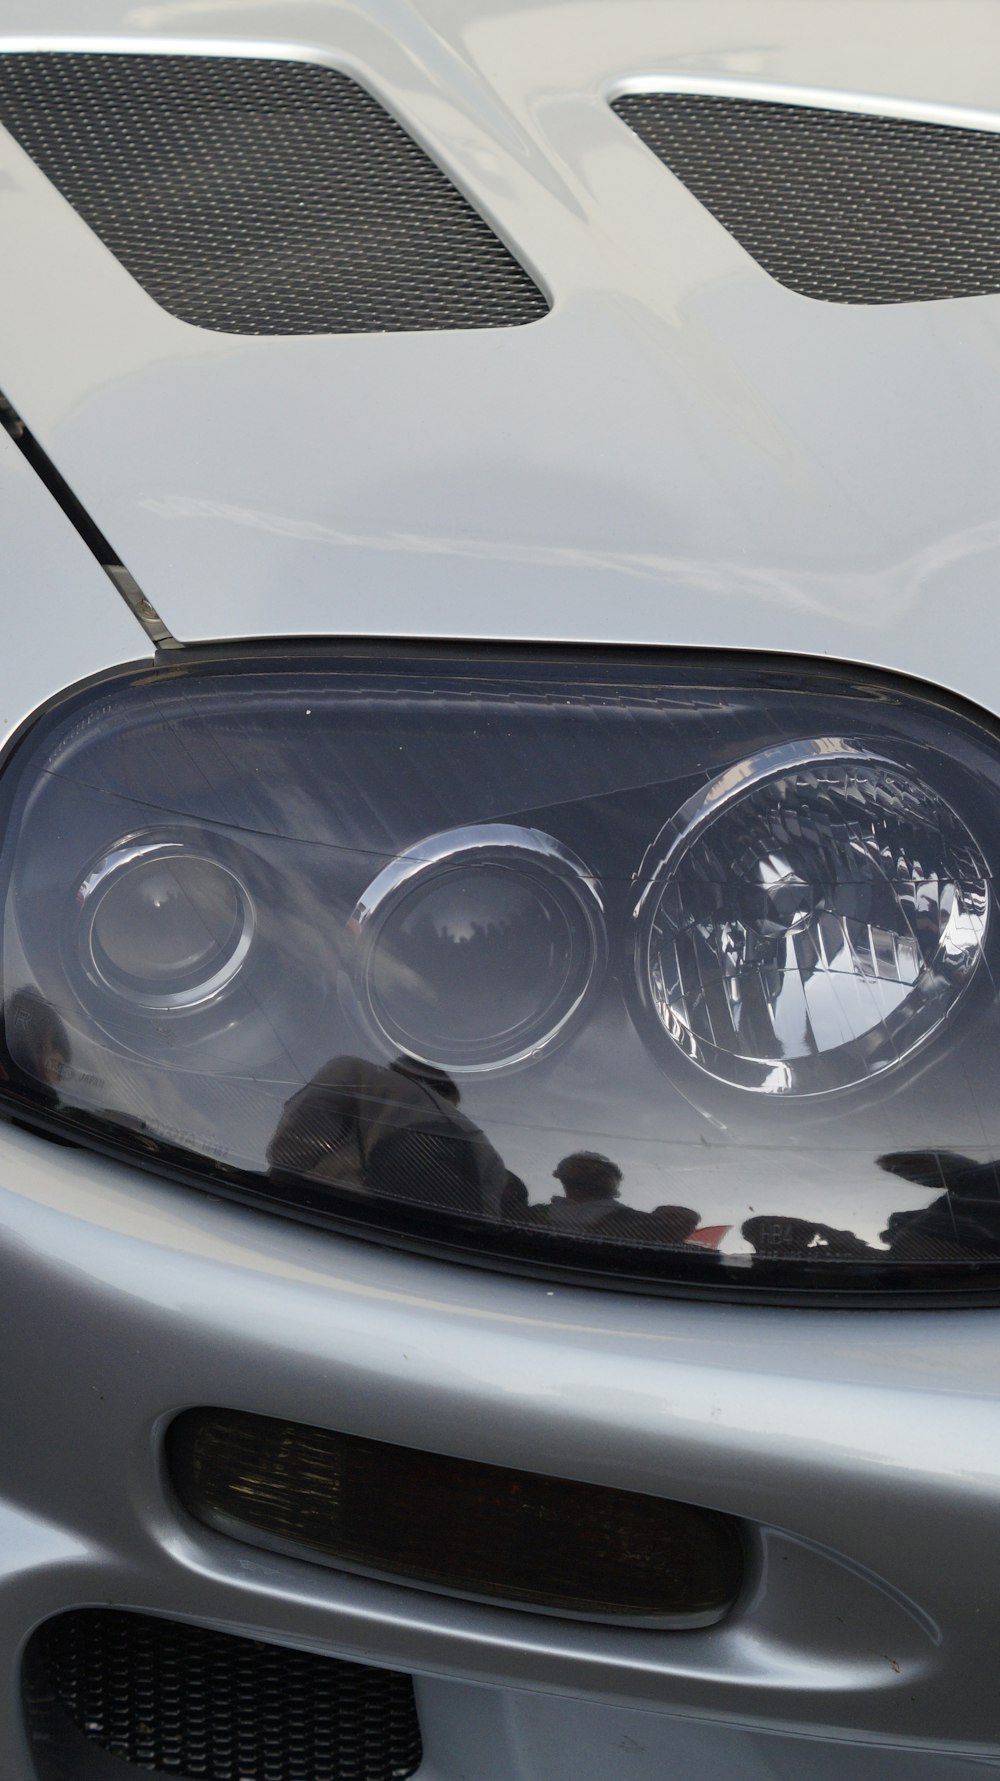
{"type": "Point", "coordinates": [859, 1449]}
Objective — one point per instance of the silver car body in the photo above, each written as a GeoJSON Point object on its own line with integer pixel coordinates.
{"type": "Point", "coordinates": [682, 453]}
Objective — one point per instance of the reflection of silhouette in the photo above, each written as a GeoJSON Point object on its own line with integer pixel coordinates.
{"type": "Point", "coordinates": [499, 955]}
{"type": "Point", "coordinates": [395, 1132]}
{"type": "Point", "coordinates": [35, 1050]}
{"type": "Point", "coordinates": [778, 1238]}
{"type": "Point", "coordinates": [514, 1200]}
{"type": "Point", "coordinates": [674, 1225]}
{"type": "Point", "coordinates": [34, 1056]}
{"type": "Point", "coordinates": [591, 1185]}
{"type": "Point", "coordinates": [962, 1224]}
{"type": "Point", "coordinates": [589, 1206]}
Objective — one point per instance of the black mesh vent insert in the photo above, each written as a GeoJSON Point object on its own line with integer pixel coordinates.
{"type": "Point", "coordinates": [183, 1701]}
{"type": "Point", "coordinates": [837, 205]}
{"type": "Point", "coordinates": [261, 196]}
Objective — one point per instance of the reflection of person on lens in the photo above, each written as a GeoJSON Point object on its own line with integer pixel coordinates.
{"type": "Point", "coordinates": [34, 1050]}
{"type": "Point", "coordinates": [962, 1224]}
{"type": "Point", "coordinates": [591, 1184]}
{"type": "Point", "coordinates": [393, 1131]}
{"type": "Point", "coordinates": [589, 1206]}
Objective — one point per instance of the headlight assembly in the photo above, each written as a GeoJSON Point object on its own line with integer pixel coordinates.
{"type": "Point", "coordinates": [663, 972]}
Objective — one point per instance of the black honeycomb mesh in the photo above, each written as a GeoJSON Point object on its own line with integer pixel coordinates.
{"type": "Point", "coordinates": [184, 1701]}
{"type": "Point", "coordinates": [261, 196]}
{"type": "Point", "coordinates": [838, 205]}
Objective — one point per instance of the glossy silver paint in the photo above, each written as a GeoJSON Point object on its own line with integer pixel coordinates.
{"type": "Point", "coordinates": [838, 1436]}
{"type": "Point", "coordinates": [681, 453]}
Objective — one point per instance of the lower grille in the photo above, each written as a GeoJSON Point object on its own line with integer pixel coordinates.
{"type": "Point", "coordinates": [181, 1700]}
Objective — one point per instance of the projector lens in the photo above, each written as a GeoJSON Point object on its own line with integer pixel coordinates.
{"type": "Point", "coordinates": [478, 947]}
{"type": "Point", "coordinates": [810, 922]}
{"type": "Point", "coordinates": [163, 927]}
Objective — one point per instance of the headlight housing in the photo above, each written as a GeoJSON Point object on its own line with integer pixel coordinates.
{"type": "Point", "coordinates": [662, 971]}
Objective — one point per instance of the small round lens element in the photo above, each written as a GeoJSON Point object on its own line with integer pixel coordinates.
{"type": "Point", "coordinates": [809, 920]}
{"type": "Point", "coordinates": [477, 948]}
{"type": "Point", "coordinates": [163, 927]}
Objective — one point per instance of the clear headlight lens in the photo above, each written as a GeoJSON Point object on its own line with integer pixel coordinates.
{"type": "Point", "coordinates": [810, 921]}
{"type": "Point", "coordinates": [675, 973]}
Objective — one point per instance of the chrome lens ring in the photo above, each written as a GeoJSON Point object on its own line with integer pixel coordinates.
{"type": "Point", "coordinates": [162, 925]}
{"type": "Point", "coordinates": [478, 949]}
{"type": "Point", "coordinates": [808, 920]}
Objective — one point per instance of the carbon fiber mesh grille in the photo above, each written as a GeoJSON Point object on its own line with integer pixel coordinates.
{"type": "Point", "coordinates": [261, 197]}
{"type": "Point", "coordinates": [184, 1701]}
{"type": "Point", "coordinates": [837, 205]}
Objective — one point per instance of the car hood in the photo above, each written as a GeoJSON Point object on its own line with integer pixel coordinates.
{"type": "Point", "coordinates": [682, 452]}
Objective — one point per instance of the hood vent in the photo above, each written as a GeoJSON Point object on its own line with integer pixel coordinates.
{"type": "Point", "coordinates": [839, 205]}
{"type": "Point", "coordinates": [261, 196]}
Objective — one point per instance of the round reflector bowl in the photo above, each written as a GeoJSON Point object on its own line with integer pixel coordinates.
{"type": "Point", "coordinates": [809, 920]}
{"type": "Point", "coordinates": [477, 948]}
